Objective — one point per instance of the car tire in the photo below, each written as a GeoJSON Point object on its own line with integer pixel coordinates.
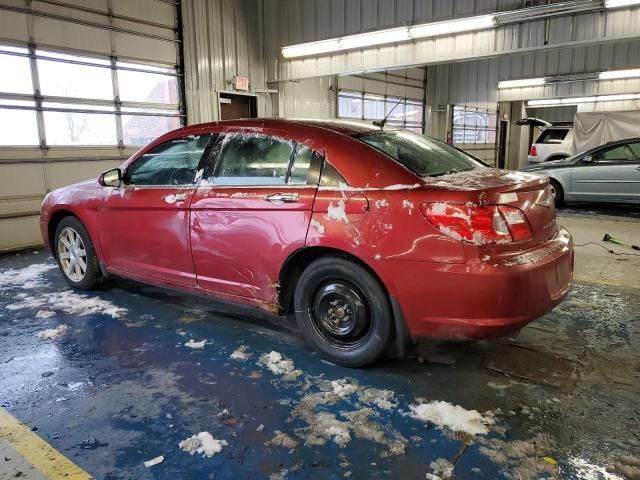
{"type": "Point", "coordinates": [76, 255]}
{"type": "Point", "coordinates": [556, 188]}
{"type": "Point", "coordinates": [343, 311]}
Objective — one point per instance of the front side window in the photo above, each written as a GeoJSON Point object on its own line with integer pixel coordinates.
{"type": "Point", "coordinates": [171, 163]}
{"type": "Point", "coordinates": [423, 156]}
{"type": "Point", "coordinates": [250, 159]}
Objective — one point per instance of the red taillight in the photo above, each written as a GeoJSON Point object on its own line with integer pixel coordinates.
{"type": "Point", "coordinates": [533, 151]}
{"type": "Point", "coordinates": [478, 224]}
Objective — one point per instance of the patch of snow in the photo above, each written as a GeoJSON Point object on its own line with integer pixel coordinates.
{"type": "Point", "coordinates": [381, 203]}
{"type": "Point", "coordinates": [383, 399]}
{"type": "Point", "coordinates": [486, 258]}
{"type": "Point", "coordinates": [377, 257]}
{"type": "Point", "coordinates": [28, 277]}
{"type": "Point", "coordinates": [280, 365]}
{"type": "Point", "coordinates": [343, 388]}
{"type": "Point", "coordinates": [154, 461]}
{"type": "Point", "coordinates": [71, 303]}
{"type": "Point", "coordinates": [241, 353]}
{"type": "Point", "coordinates": [318, 226]}
{"type": "Point", "coordinates": [408, 204]}
{"type": "Point", "coordinates": [202, 443]}
{"type": "Point", "coordinates": [196, 345]}
{"type": "Point", "coordinates": [450, 233]}
{"type": "Point", "coordinates": [239, 195]}
{"type": "Point", "coordinates": [337, 212]}
{"type": "Point", "coordinates": [447, 416]}
{"type": "Point", "coordinates": [441, 468]}
{"type": "Point", "coordinates": [170, 199]}
{"type": "Point", "coordinates": [45, 314]}
{"type": "Point", "coordinates": [438, 208]}
{"type": "Point", "coordinates": [282, 440]}
{"type": "Point", "coordinates": [52, 333]}
{"type": "Point", "coordinates": [589, 471]}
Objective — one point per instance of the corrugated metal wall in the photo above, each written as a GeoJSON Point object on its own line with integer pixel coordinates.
{"type": "Point", "coordinates": [299, 21]}
{"type": "Point", "coordinates": [222, 39]}
{"type": "Point", "coordinates": [477, 80]}
{"type": "Point", "coordinates": [27, 173]}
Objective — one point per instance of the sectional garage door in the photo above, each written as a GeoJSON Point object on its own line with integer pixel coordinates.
{"type": "Point", "coordinates": [84, 84]}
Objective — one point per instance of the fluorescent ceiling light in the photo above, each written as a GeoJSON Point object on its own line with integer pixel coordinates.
{"type": "Point", "coordinates": [613, 74]}
{"type": "Point", "coordinates": [480, 22]}
{"type": "Point", "coordinates": [313, 48]}
{"type": "Point", "coordinates": [620, 3]}
{"type": "Point", "coordinates": [526, 82]}
{"type": "Point", "coordinates": [539, 103]}
{"type": "Point", "coordinates": [374, 38]}
{"type": "Point", "coordinates": [391, 35]}
{"type": "Point", "coordinates": [576, 100]}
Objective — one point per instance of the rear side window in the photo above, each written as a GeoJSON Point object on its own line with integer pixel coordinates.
{"type": "Point", "coordinates": [620, 153]}
{"type": "Point", "coordinates": [635, 148]}
{"type": "Point", "coordinates": [248, 159]}
{"type": "Point", "coordinates": [553, 135]}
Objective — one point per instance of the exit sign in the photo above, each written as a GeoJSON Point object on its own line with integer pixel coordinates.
{"type": "Point", "coordinates": [241, 83]}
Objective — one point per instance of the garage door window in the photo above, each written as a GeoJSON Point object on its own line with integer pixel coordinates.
{"type": "Point", "coordinates": [85, 100]}
{"type": "Point", "coordinates": [402, 112]}
{"type": "Point", "coordinates": [474, 125]}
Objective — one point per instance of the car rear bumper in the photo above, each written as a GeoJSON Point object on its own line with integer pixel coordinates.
{"type": "Point", "coordinates": [481, 299]}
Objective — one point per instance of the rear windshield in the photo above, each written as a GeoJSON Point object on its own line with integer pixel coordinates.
{"type": "Point", "coordinates": [425, 157]}
{"type": "Point", "coordinates": [555, 135]}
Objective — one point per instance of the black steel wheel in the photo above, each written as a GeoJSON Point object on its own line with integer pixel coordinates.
{"type": "Point", "coordinates": [343, 311]}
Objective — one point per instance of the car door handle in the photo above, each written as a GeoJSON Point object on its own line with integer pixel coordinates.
{"type": "Point", "coordinates": [282, 197]}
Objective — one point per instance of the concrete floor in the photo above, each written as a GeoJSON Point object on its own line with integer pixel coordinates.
{"type": "Point", "coordinates": [120, 387]}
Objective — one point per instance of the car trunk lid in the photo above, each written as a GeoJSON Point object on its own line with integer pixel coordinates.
{"type": "Point", "coordinates": [488, 186]}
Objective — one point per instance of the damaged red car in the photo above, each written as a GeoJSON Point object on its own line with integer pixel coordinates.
{"type": "Point", "coordinates": [371, 237]}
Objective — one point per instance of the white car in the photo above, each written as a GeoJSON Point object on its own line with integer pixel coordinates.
{"type": "Point", "coordinates": [554, 143]}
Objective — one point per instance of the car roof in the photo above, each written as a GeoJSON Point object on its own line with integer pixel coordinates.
{"type": "Point", "coordinates": [345, 127]}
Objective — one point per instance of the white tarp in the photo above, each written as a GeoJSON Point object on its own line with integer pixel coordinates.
{"type": "Point", "coordinates": [592, 129]}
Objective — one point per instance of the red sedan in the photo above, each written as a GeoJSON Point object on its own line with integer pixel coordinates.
{"type": "Point", "coordinates": [372, 237]}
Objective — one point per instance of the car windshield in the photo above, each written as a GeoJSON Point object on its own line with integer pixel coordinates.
{"type": "Point", "coordinates": [425, 157]}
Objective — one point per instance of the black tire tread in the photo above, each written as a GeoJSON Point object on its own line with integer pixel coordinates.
{"type": "Point", "coordinates": [377, 298]}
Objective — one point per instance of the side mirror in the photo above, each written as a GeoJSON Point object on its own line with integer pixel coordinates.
{"type": "Point", "coordinates": [587, 159]}
{"type": "Point", "coordinates": [111, 178]}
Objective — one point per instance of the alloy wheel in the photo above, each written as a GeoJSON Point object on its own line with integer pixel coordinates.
{"type": "Point", "coordinates": [72, 254]}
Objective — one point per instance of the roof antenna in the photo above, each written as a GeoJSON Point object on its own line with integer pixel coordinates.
{"type": "Point", "coordinates": [382, 123]}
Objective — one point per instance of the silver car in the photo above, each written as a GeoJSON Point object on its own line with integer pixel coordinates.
{"type": "Point", "coordinates": [609, 173]}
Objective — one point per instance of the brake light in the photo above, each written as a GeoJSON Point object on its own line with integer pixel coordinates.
{"type": "Point", "coordinates": [533, 151]}
{"type": "Point", "coordinates": [478, 224]}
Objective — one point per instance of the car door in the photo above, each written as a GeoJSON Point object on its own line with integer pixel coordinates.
{"type": "Point", "coordinates": [251, 211]}
{"type": "Point", "coordinates": [609, 175]}
{"type": "Point", "coordinates": [144, 225]}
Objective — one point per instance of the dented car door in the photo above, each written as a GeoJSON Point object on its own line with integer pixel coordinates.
{"type": "Point", "coordinates": [251, 211]}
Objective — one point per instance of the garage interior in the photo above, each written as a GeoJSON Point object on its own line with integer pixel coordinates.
{"type": "Point", "coordinates": [86, 83]}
